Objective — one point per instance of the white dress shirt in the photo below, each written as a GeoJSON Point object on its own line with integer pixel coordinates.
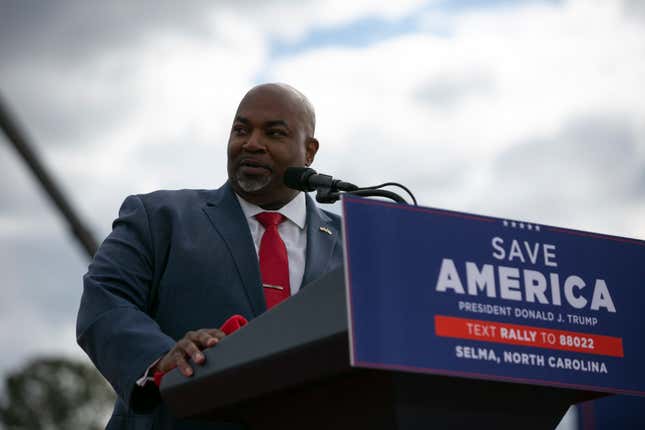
{"type": "Point", "coordinates": [292, 231]}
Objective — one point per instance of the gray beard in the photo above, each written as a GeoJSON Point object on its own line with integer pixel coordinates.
{"type": "Point", "coordinates": [251, 185]}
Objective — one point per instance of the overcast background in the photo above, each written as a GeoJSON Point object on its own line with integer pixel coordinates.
{"type": "Point", "coordinates": [528, 110]}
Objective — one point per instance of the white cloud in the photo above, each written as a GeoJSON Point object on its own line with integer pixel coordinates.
{"type": "Point", "coordinates": [37, 336]}
{"type": "Point", "coordinates": [159, 112]}
{"type": "Point", "coordinates": [438, 109]}
{"type": "Point", "coordinates": [290, 21]}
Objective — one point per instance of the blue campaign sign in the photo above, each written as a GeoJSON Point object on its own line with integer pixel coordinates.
{"type": "Point", "coordinates": [452, 293]}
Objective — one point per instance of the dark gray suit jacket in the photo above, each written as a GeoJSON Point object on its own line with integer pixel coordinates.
{"type": "Point", "coordinates": [176, 261]}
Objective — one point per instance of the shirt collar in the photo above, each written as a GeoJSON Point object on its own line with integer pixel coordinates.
{"type": "Point", "coordinates": [295, 210]}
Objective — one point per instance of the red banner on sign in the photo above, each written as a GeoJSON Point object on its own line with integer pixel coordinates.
{"type": "Point", "coordinates": [489, 331]}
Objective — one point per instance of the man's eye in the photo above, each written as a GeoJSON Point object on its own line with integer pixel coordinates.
{"type": "Point", "coordinates": [276, 133]}
{"type": "Point", "coordinates": [239, 130]}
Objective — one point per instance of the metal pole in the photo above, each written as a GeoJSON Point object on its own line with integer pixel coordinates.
{"type": "Point", "coordinates": [19, 140]}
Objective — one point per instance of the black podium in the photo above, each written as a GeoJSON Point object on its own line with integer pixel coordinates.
{"type": "Point", "coordinates": [289, 369]}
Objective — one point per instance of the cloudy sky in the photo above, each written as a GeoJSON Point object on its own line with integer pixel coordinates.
{"type": "Point", "coordinates": [520, 109]}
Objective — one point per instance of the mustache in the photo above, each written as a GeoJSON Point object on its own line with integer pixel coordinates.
{"type": "Point", "coordinates": [251, 162]}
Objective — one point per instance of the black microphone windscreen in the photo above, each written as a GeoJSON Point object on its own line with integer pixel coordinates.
{"type": "Point", "coordinates": [296, 178]}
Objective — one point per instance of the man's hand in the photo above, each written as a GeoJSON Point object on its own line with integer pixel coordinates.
{"type": "Point", "coordinates": [190, 346]}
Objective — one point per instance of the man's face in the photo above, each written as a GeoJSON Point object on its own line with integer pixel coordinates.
{"type": "Point", "coordinates": [268, 135]}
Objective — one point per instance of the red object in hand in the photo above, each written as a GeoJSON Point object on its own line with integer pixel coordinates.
{"type": "Point", "coordinates": [231, 325]}
{"type": "Point", "coordinates": [157, 377]}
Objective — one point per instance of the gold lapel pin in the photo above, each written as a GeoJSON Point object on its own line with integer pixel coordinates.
{"type": "Point", "coordinates": [326, 230]}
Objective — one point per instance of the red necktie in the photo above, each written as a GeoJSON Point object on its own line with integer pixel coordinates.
{"type": "Point", "coordinates": [274, 262]}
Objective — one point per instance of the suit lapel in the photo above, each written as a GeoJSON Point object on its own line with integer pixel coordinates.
{"type": "Point", "coordinates": [322, 238]}
{"type": "Point", "coordinates": [227, 218]}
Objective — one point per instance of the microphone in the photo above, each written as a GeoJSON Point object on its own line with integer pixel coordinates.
{"type": "Point", "coordinates": [306, 179]}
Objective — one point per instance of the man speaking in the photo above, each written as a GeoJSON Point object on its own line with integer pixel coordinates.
{"type": "Point", "coordinates": [179, 263]}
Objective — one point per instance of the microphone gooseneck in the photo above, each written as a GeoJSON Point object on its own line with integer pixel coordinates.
{"type": "Point", "coordinates": [329, 190]}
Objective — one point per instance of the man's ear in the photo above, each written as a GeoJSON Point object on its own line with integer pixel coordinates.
{"type": "Point", "coordinates": [311, 150]}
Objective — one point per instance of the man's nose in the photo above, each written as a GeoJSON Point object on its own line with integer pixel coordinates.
{"type": "Point", "coordinates": [254, 142]}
